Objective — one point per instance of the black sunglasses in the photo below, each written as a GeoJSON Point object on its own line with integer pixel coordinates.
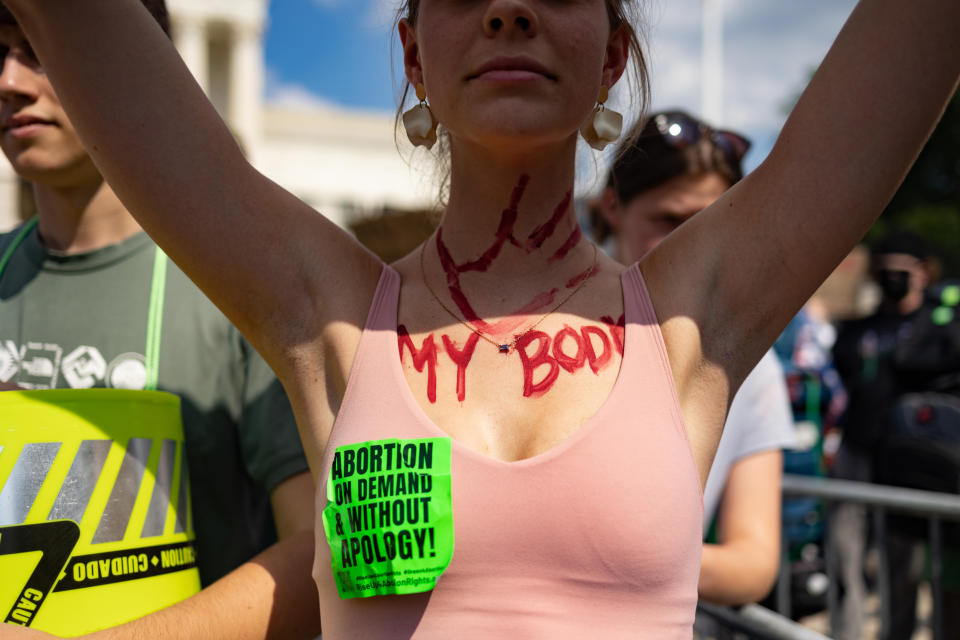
{"type": "Point", "coordinates": [681, 131]}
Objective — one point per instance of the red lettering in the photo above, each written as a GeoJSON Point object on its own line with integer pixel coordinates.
{"type": "Point", "coordinates": [617, 330]}
{"type": "Point", "coordinates": [426, 355]}
{"type": "Point", "coordinates": [596, 362]}
{"type": "Point", "coordinates": [569, 363]}
{"type": "Point", "coordinates": [461, 358]}
{"type": "Point", "coordinates": [530, 364]}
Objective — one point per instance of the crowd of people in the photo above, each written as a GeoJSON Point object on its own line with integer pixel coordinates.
{"type": "Point", "coordinates": [507, 432]}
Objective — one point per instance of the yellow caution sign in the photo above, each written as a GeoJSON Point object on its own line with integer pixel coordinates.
{"type": "Point", "coordinates": [95, 526]}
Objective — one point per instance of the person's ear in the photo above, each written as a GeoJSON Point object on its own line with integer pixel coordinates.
{"type": "Point", "coordinates": [610, 208]}
{"type": "Point", "coordinates": [617, 56]}
{"type": "Point", "coordinates": [411, 53]}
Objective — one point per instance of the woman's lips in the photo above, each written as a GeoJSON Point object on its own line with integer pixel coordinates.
{"type": "Point", "coordinates": [509, 76]}
{"type": "Point", "coordinates": [511, 70]}
{"type": "Point", "coordinates": [26, 130]}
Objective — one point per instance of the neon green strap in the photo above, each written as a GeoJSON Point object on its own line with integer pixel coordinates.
{"type": "Point", "coordinates": [155, 318]}
{"type": "Point", "coordinates": [24, 232]}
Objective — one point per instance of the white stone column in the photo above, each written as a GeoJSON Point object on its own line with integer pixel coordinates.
{"type": "Point", "coordinates": [190, 37]}
{"type": "Point", "coordinates": [246, 84]}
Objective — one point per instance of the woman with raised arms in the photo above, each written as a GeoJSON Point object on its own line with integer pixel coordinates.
{"type": "Point", "coordinates": [572, 405]}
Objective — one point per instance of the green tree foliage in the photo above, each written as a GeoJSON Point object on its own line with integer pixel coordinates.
{"type": "Point", "coordinates": [928, 202]}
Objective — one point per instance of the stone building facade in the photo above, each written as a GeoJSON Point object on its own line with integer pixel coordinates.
{"type": "Point", "coordinates": [342, 162]}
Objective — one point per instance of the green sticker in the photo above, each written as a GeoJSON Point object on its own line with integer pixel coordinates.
{"type": "Point", "coordinates": [389, 516]}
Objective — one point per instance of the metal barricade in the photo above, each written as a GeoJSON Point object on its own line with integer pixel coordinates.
{"type": "Point", "coordinates": [881, 499]}
{"type": "Point", "coordinates": [758, 623]}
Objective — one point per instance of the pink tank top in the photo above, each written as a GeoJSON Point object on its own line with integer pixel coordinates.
{"type": "Point", "coordinates": [598, 537]}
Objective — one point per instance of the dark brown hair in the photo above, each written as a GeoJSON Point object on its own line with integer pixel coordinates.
{"type": "Point", "coordinates": [621, 14]}
{"type": "Point", "coordinates": [157, 8]}
{"type": "Point", "coordinates": [648, 159]}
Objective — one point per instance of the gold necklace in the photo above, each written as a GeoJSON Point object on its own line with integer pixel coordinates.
{"type": "Point", "coordinates": [505, 348]}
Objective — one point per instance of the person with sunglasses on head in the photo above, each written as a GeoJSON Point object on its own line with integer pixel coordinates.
{"type": "Point", "coordinates": [675, 168]}
{"type": "Point", "coordinates": [554, 412]}
{"type": "Point", "coordinates": [78, 280]}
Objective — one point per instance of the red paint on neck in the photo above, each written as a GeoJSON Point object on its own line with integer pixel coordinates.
{"type": "Point", "coordinates": [590, 271]}
{"type": "Point", "coordinates": [539, 235]}
{"type": "Point", "coordinates": [504, 234]}
{"type": "Point", "coordinates": [511, 323]}
{"type": "Point", "coordinates": [568, 246]}
{"type": "Point", "coordinates": [508, 220]}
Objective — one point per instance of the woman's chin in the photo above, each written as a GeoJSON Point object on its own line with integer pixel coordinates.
{"type": "Point", "coordinates": [516, 137]}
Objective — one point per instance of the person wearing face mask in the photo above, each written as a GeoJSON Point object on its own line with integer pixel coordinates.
{"type": "Point", "coordinates": [866, 355]}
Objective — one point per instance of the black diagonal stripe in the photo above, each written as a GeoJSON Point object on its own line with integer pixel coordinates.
{"type": "Point", "coordinates": [56, 541]}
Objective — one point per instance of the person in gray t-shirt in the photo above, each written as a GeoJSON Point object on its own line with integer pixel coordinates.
{"type": "Point", "coordinates": [75, 288]}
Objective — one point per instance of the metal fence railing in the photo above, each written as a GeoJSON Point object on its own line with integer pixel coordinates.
{"type": "Point", "coordinates": [881, 500]}
{"type": "Point", "coordinates": [757, 622]}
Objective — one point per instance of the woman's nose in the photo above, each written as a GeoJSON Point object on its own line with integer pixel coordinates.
{"type": "Point", "coordinates": [507, 17]}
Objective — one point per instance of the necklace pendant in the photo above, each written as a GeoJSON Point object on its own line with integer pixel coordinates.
{"type": "Point", "coordinates": [504, 348]}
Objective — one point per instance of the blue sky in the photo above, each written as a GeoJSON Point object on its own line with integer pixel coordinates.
{"type": "Point", "coordinates": [338, 51]}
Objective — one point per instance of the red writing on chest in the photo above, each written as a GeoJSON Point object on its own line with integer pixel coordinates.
{"type": "Point", "coordinates": [541, 356]}
{"type": "Point", "coordinates": [425, 356]}
{"type": "Point", "coordinates": [461, 358]}
{"type": "Point", "coordinates": [568, 350]}
{"type": "Point", "coordinates": [616, 330]}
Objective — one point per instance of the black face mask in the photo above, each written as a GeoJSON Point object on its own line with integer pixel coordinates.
{"type": "Point", "coordinates": [895, 284]}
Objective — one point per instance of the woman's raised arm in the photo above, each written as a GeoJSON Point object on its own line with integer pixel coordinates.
{"type": "Point", "coordinates": [268, 260]}
{"type": "Point", "coordinates": [746, 264]}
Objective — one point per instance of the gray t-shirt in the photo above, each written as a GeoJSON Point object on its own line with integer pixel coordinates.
{"type": "Point", "coordinates": [760, 419]}
{"type": "Point", "coordinates": [80, 321]}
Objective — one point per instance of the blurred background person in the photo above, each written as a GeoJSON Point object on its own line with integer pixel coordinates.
{"type": "Point", "coordinates": [677, 167]}
{"type": "Point", "coordinates": [881, 361]}
{"type": "Point", "coordinates": [817, 399]}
